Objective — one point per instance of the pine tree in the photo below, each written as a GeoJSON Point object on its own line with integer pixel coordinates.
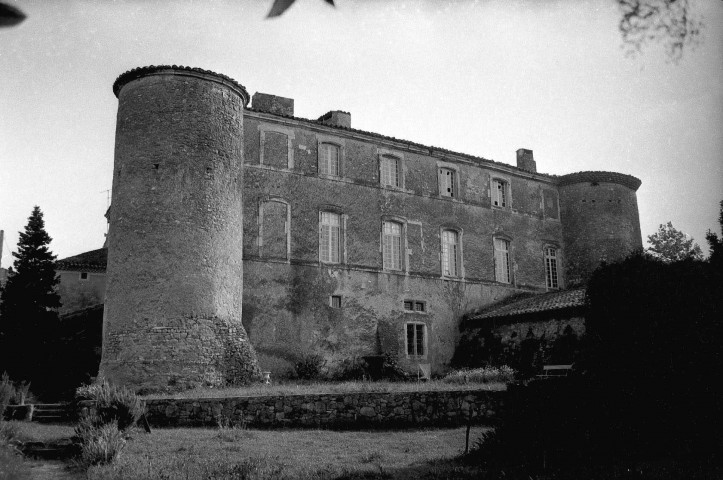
{"type": "Point", "coordinates": [28, 319]}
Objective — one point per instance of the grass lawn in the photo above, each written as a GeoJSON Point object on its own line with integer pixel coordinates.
{"type": "Point", "coordinates": [286, 454]}
{"type": "Point", "coordinates": [312, 388]}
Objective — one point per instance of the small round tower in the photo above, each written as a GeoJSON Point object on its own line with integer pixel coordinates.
{"type": "Point", "coordinates": [600, 220]}
{"type": "Point", "coordinates": [175, 272]}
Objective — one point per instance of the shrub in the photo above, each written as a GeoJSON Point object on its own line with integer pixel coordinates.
{"type": "Point", "coordinates": [99, 444]}
{"type": "Point", "coordinates": [113, 404]}
{"type": "Point", "coordinates": [353, 368]}
{"type": "Point", "coordinates": [7, 393]}
{"type": "Point", "coordinates": [487, 374]}
{"type": "Point", "coordinates": [309, 367]}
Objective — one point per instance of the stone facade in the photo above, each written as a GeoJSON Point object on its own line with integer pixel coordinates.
{"type": "Point", "coordinates": [336, 241]}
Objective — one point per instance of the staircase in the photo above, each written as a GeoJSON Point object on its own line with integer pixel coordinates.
{"type": "Point", "coordinates": [53, 413]}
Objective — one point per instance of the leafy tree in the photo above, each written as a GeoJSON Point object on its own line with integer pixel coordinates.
{"type": "Point", "coordinates": [716, 244]}
{"type": "Point", "coordinates": [671, 245]}
{"type": "Point", "coordinates": [671, 22]}
{"type": "Point", "coordinates": [28, 318]}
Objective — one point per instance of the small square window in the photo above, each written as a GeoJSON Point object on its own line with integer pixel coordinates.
{"type": "Point", "coordinates": [409, 305]}
{"type": "Point", "coordinates": [335, 301]}
{"type": "Point", "coordinates": [420, 307]}
{"type": "Point", "coordinates": [84, 275]}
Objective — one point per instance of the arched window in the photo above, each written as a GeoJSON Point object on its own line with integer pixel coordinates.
{"type": "Point", "coordinates": [450, 253]}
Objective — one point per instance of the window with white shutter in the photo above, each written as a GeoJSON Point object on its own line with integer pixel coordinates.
{"type": "Point", "coordinates": [502, 260]}
{"type": "Point", "coordinates": [392, 246]}
{"type": "Point", "coordinates": [330, 237]}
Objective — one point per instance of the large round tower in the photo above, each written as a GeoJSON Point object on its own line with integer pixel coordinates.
{"type": "Point", "coordinates": [600, 220]}
{"type": "Point", "coordinates": [175, 271]}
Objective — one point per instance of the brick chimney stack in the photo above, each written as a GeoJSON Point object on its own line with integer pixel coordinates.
{"type": "Point", "coordinates": [336, 118]}
{"type": "Point", "coordinates": [526, 161]}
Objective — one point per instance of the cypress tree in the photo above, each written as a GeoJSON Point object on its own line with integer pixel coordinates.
{"type": "Point", "coordinates": [28, 316]}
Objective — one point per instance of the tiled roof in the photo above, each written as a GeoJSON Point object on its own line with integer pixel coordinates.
{"type": "Point", "coordinates": [151, 69]}
{"type": "Point", "coordinates": [93, 261]}
{"type": "Point", "coordinates": [539, 303]}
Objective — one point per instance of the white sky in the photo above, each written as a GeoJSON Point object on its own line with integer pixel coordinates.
{"type": "Point", "coordinates": [478, 77]}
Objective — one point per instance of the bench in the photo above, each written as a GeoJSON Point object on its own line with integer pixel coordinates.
{"type": "Point", "coordinates": [555, 371]}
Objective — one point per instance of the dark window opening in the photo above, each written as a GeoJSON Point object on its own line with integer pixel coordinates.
{"type": "Point", "coordinates": [335, 301]}
{"type": "Point", "coordinates": [408, 305]}
{"type": "Point", "coordinates": [156, 165]}
{"type": "Point", "coordinates": [84, 275]}
{"type": "Point", "coordinates": [419, 307]}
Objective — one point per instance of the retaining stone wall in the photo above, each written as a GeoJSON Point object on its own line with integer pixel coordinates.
{"type": "Point", "coordinates": [364, 410]}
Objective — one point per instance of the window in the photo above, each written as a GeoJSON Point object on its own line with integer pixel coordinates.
{"type": "Point", "coordinates": [450, 253]}
{"type": "Point", "coordinates": [329, 159]}
{"type": "Point", "coordinates": [447, 183]}
{"type": "Point", "coordinates": [415, 339]}
{"type": "Point", "coordinates": [415, 306]}
{"type": "Point", "coordinates": [502, 260]}
{"type": "Point", "coordinates": [392, 246]}
{"type": "Point", "coordinates": [389, 171]}
{"type": "Point", "coordinates": [551, 267]}
{"type": "Point", "coordinates": [500, 198]}
{"type": "Point", "coordinates": [84, 275]}
{"type": "Point", "coordinates": [335, 301]}
{"type": "Point", "coordinates": [329, 236]}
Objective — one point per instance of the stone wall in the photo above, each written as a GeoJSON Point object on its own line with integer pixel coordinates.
{"type": "Point", "coordinates": [77, 293]}
{"type": "Point", "coordinates": [352, 410]}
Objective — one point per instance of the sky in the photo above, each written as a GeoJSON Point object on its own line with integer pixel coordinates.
{"type": "Point", "coordinates": [477, 77]}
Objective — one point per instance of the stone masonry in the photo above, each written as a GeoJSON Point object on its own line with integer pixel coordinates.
{"type": "Point", "coordinates": [218, 204]}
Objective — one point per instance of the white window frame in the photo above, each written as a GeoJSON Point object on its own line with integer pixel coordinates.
{"type": "Point", "coordinates": [552, 267]}
{"type": "Point", "coordinates": [392, 260]}
{"type": "Point", "coordinates": [390, 170]}
{"type": "Point", "coordinates": [324, 162]}
{"type": "Point", "coordinates": [503, 257]}
{"type": "Point", "coordinates": [501, 193]}
{"type": "Point", "coordinates": [415, 343]}
{"type": "Point", "coordinates": [455, 254]}
{"type": "Point", "coordinates": [327, 222]}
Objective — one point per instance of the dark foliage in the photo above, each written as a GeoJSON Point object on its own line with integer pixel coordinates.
{"type": "Point", "coordinates": [648, 387]}
{"type": "Point", "coordinates": [309, 367]}
{"type": "Point", "coordinates": [480, 347]}
{"type": "Point", "coordinates": [28, 320]}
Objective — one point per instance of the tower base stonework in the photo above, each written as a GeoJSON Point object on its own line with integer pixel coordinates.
{"type": "Point", "coordinates": [174, 292]}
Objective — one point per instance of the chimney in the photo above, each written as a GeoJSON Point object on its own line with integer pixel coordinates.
{"type": "Point", "coordinates": [264, 102]}
{"type": "Point", "coordinates": [336, 118]}
{"type": "Point", "coordinates": [526, 161]}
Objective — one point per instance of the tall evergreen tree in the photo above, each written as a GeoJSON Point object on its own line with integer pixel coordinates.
{"type": "Point", "coordinates": [28, 319]}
